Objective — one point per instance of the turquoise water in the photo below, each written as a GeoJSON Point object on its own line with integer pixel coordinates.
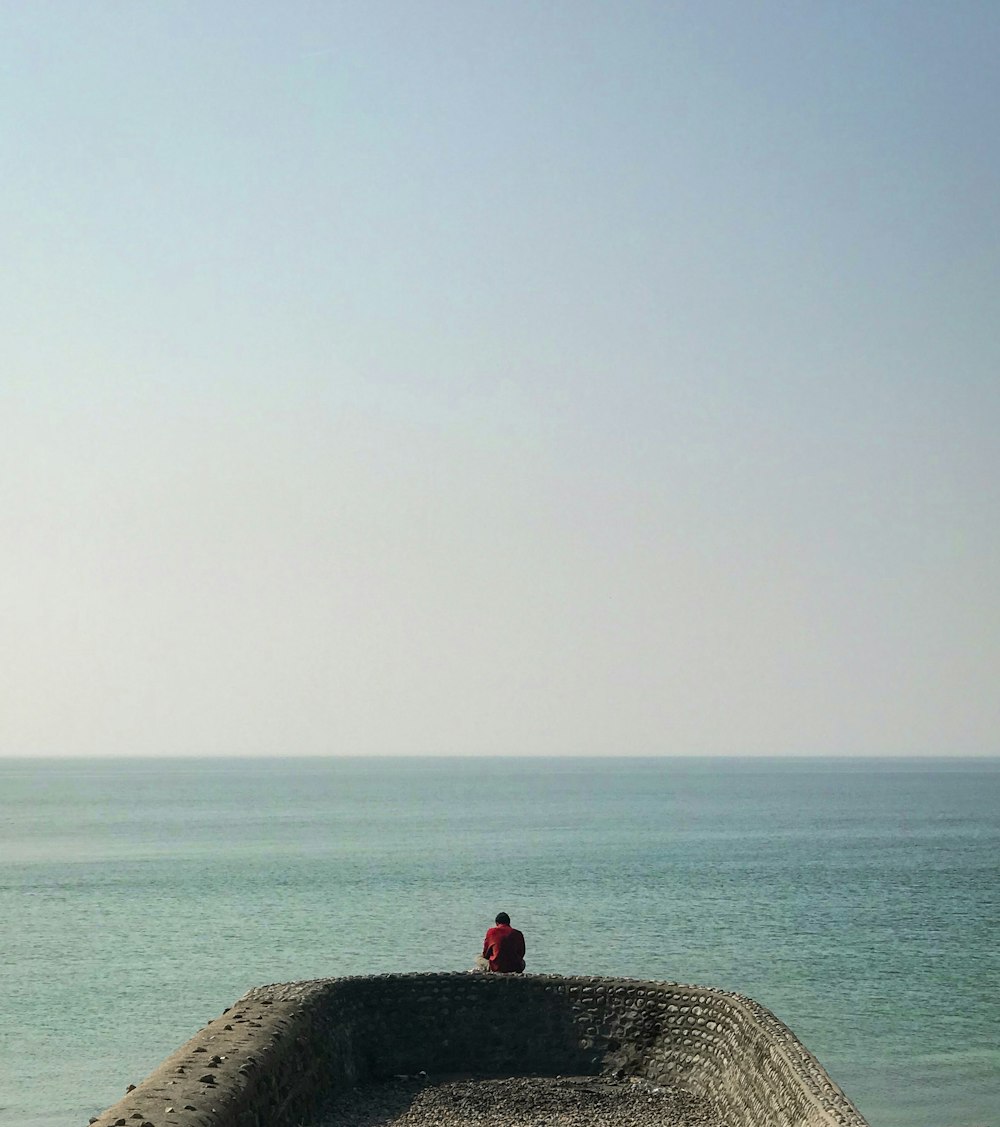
{"type": "Point", "coordinates": [856, 899]}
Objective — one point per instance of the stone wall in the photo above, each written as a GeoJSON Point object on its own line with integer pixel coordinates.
{"type": "Point", "coordinates": [273, 1058]}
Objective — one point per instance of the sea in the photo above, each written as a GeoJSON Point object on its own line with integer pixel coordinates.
{"type": "Point", "coordinates": [858, 899]}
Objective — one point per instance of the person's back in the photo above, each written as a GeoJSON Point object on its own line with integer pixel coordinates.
{"type": "Point", "coordinates": [504, 947]}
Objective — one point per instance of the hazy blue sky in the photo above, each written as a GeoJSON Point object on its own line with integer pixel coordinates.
{"type": "Point", "coordinates": [535, 378]}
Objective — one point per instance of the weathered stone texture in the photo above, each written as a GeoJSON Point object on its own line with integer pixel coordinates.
{"type": "Point", "coordinates": [273, 1058]}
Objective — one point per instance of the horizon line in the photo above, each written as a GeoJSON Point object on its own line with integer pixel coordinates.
{"type": "Point", "coordinates": [244, 756]}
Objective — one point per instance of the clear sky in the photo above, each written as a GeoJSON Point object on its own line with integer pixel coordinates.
{"type": "Point", "coordinates": [479, 378]}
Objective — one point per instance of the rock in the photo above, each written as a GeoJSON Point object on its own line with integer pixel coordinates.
{"type": "Point", "coordinates": [571, 1101]}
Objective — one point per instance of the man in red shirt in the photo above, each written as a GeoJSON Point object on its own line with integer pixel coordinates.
{"type": "Point", "coordinates": [503, 947]}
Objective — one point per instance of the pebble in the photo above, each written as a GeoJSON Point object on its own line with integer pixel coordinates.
{"type": "Point", "coordinates": [517, 1101]}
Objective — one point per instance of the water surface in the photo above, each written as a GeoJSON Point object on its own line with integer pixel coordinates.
{"type": "Point", "coordinates": [856, 899]}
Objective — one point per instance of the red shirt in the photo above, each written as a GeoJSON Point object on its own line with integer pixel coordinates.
{"type": "Point", "coordinates": [504, 947]}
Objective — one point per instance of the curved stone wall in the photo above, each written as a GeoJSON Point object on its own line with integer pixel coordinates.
{"type": "Point", "coordinates": [277, 1055]}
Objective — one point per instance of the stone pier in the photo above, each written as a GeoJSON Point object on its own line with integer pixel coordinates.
{"type": "Point", "coordinates": [278, 1055]}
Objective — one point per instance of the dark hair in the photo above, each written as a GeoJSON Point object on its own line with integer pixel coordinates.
{"type": "Point", "coordinates": [503, 918]}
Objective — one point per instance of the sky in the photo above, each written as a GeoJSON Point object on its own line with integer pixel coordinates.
{"type": "Point", "coordinates": [500, 379]}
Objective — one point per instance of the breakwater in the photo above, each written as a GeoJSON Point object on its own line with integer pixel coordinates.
{"type": "Point", "coordinates": [277, 1055]}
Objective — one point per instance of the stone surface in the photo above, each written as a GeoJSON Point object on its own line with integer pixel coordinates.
{"type": "Point", "coordinates": [526, 1101]}
{"type": "Point", "coordinates": [283, 1051]}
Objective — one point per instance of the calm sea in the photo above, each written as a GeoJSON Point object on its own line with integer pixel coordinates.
{"type": "Point", "coordinates": [856, 899]}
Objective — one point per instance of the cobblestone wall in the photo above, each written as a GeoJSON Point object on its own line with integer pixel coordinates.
{"type": "Point", "coordinates": [272, 1058]}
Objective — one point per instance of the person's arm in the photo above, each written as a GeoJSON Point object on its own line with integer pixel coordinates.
{"type": "Point", "coordinates": [486, 946]}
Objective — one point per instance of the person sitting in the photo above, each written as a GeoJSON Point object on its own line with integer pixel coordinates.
{"type": "Point", "coordinates": [503, 947]}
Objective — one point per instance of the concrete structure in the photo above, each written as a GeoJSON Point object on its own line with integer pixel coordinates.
{"type": "Point", "coordinates": [274, 1057]}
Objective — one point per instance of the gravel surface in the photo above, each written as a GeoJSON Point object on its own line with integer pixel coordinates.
{"type": "Point", "coordinates": [519, 1101]}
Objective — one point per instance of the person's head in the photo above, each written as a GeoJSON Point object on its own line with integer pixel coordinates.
{"type": "Point", "coordinates": [503, 918]}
